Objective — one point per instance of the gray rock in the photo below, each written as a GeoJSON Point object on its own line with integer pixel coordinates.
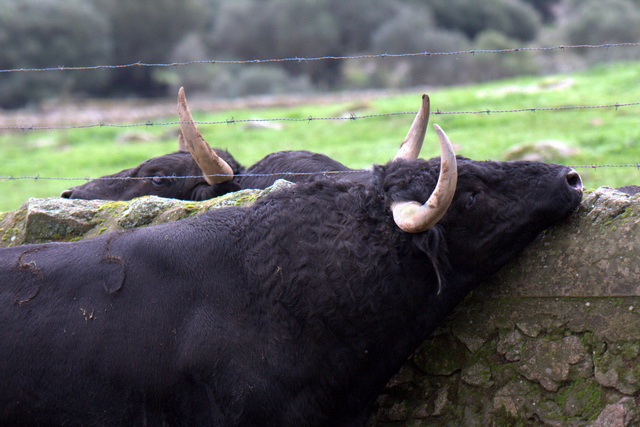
{"type": "Point", "coordinates": [57, 219]}
{"type": "Point", "coordinates": [548, 361]}
{"type": "Point", "coordinates": [617, 414]}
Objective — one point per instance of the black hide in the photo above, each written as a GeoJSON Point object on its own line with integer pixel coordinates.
{"type": "Point", "coordinates": [629, 189]}
{"type": "Point", "coordinates": [294, 311]}
{"type": "Point", "coordinates": [164, 172]}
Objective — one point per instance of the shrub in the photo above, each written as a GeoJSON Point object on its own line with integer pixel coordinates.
{"type": "Point", "coordinates": [281, 29]}
{"type": "Point", "coordinates": [513, 18]}
{"type": "Point", "coordinates": [491, 66]}
{"type": "Point", "coordinates": [195, 77]}
{"type": "Point", "coordinates": [599, 22]}
{"type": "Point", "coordinates": [257, 80]}
{"type": "Point", "coordinates": [147, 31]}
{"type": "Point", "coordinates": [411, 31]}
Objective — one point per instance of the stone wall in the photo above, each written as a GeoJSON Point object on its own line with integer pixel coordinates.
{"type": "Point", "coordinates": [553, 339]}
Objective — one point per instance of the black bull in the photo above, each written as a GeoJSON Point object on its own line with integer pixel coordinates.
{"type": "Point", "coordinates": [164, 176]}
{"type": "Point", "coordinates": [199, 172]}
{"type": "Point", "coordinates": [293, 311]}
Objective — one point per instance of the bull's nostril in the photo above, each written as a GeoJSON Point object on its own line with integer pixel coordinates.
{"type": "Point", "coordinates": [574, 180]}
{"type": "Point", "coordinates": [66, 194]}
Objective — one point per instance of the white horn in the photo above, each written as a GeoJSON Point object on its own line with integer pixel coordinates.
{"type": "Point", "coordinates": [414, 217]}
{"type": "Point", "coordinates": [410, 147]}
{"type": "Point", "coordinates": [215, 169]}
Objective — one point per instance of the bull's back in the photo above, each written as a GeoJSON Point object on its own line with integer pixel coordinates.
{"type": "Point", "coordinates": [101, 325]}
{"type": "Point", "coordinates": [294, 166]}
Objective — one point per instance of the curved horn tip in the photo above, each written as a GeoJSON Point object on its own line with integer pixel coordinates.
{"type": "Point", "coordinates": [412, 144]}
{"type": "Point", "coordinates": [444, 141]}
{"type": "Point", "coordinates": [182, 98]}
{"type": "Point", "coordinates": [426, 104]}
{"type": "Point", "coordinates": [411, 216]}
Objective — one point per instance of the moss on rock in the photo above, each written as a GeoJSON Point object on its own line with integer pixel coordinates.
{"type": "Point", "coordinates": [56, 219]}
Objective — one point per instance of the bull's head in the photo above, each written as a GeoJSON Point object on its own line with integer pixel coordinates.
{"type": "Point", "coordinates": [194, 172]}
{"type": "Point", "coordinates": [414, 217]}
{"type": "Point", "coordinates": [162, 176]}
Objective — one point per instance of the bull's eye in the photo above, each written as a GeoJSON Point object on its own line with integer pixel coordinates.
{"type": "Point", "coordinates": [471, 200]}
{"type": "Point", "coordinates": [159, 181]}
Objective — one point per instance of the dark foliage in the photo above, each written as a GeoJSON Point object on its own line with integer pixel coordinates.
{"type": "Point", "coordinates": [51, 33]}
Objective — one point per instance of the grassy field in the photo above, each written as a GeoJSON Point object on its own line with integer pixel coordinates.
{"type": "Point", "coordinates": [599, 136]}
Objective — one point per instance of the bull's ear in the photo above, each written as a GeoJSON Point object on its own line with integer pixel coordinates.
{"type": "Point", "coordinates": [215, 169]}
{"type": "Point", "coordinates": [412, 144]}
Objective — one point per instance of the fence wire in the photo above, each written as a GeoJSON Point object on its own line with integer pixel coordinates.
{"type": "Point", "coordinates": [137, 178]}
{"type": "Point", "coordinates": [276, 174]}
{"type": "Point", "coordinates": [321, 58]}
{"type": "Point", "coordinates": [350, 117]}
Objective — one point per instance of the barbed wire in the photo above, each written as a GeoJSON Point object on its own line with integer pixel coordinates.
{"type": "Point", "coordinates": [278, 174]}
{"type": "Point", "coordinates": [135, 178]}
{"type": "Point", "coordinates": [350, 117]}
{"type": "Point", "coordinates": [319, 58]}
{"type": "Point", "coordinates": [630, 165]}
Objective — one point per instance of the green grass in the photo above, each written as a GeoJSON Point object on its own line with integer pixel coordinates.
{"type": "Point", "coordinates": [602, 136]}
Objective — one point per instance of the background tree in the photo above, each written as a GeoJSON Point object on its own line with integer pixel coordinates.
{"type": "Point", "coordinates": [413, 29]}
{"type": "Point", "coordinates": [239, 31]}
{"type": "Point", "coordinates": [146, 31]}
{"type": "Point", "coordinates": [611, 21]}
{"type": "Point", "coordinates": [513, 18]}
{"type": "Point", "coordinates": [50, 33]}
{"type": "Point", "coordinates": [359, 19]}
{"type": "Point", "coordinates": [298, 28]}
{"type": "Point", "coordinates": [546, 8]}
{"type": "Point", "coordinates": [306, 28]}
{"type": "Point", "coordinates": [598, 22]}
{"type": "Point", "coordinates": [491, 66]}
